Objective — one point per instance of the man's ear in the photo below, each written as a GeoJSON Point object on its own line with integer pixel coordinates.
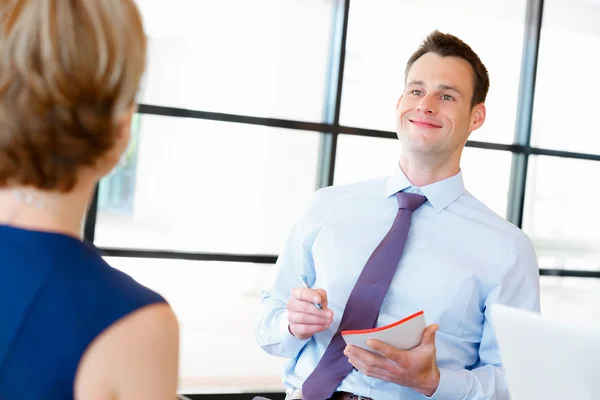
{"type": "Point", "coordinates": [477, 117]}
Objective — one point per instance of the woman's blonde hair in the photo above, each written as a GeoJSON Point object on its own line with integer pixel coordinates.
{"type": "Point", "coordinates": [69, 69]}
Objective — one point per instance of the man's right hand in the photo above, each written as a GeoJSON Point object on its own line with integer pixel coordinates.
{"type": "Point", "coordinates": [304, 318]}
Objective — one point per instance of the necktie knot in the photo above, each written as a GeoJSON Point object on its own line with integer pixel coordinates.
{"type": "Point", "coordinates": [410, 201]}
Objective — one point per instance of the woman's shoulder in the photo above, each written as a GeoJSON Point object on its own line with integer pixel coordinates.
{"type": "Point", "coordinates": [137, 357]}
{"type": "Point", "coordinates": [81, 270]}
{"type": "Point", "coordinates": [133, 332]}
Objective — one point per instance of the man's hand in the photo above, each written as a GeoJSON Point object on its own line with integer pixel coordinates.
{"type": "Point", "coordinates": [304, 318]}
{"type": "Point", "coordinates": [415, 368]}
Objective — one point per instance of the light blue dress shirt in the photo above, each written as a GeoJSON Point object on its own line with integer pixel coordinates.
{"type": "Point", "coordinates": [459, 259]}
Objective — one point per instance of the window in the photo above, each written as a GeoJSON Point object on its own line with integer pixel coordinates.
{"type": "Point", "coordinates": [377, 52]}
{"type": "Point", "coordinates": [360, 157]}
{"type": "Point", "coordinates": [217, 307]}
{"type": "Point", "coordinates": [568, 83]}
{"type": "Point", "coordinates": [571, 300]}
{"type": "Point", "coordinates": [117, 189]}
{"type": "Point", "coordinates": [561, 215]}
{"type": "Point", "coordinates": [486, 172]}
{"type": "Point", "coordinates": [213, 187]}
{"type": "Point", "coordinates": [264, 58]}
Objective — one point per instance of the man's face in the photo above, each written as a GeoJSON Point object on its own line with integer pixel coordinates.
{"type": "Point", "coordinates": [434, 116]}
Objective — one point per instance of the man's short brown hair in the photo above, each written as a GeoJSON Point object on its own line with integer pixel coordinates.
{"type": "Point", "coordinates": [68, 71]}
{"type": "Point", "coordinates": [446, 45]}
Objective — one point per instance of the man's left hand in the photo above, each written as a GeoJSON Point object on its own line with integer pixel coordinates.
{"type": "Point", "coordinates": [415, 368]}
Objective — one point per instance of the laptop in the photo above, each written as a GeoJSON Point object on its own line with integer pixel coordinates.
{"type": "Point", "coordinates": [545, 359]}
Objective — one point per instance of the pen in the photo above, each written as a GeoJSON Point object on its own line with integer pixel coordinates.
{"type": "Point", "coordinates": [308, 286]}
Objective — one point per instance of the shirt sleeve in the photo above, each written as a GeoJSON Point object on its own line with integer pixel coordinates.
{"type": "Point", "coordinates": [271, 331]}
{"type": "Point", "coordinates": [518, 286]}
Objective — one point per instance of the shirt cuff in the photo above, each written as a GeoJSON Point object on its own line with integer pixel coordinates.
{"type": "Point", "coordinates": [452, 385]}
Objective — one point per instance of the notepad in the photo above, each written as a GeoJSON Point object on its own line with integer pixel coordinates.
{"type": "Point", "coordinates": [404, 334]}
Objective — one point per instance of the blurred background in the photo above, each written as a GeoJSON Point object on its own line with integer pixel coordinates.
{"type": "Point", "coordinates": [248, 107]}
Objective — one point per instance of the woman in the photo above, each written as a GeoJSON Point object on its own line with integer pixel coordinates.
{"type": "Point", "coordinates": [70, 325]}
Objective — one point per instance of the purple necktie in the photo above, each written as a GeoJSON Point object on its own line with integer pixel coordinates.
{"type": "Point", "coordinates": [362, 308]}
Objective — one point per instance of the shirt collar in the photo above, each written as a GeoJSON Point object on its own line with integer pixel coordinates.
{"type": "Point", "coordinates": [439, 194]}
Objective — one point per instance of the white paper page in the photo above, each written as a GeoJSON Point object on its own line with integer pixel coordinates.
{"type": "Point", "coordinates": [404, 334]}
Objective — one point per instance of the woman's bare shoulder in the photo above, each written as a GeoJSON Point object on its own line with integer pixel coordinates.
{"type": "Point", "coordinates": [136, 357]}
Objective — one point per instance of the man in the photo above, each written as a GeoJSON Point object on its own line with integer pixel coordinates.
{"type": "Point", "coordinates": [458, 258]}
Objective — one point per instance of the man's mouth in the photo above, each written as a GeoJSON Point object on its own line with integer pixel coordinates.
{"type": "Point", "coordinates": [424, 123]}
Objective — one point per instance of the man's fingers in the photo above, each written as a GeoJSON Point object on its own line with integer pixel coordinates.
{"type": "Point", "coordinates": [364, 356]}
{"type": "Point", "coordinates": [374, 371]}
{"type": "Point", "coordinates": [323, 295]}
{"type": "Point", "coordinates": [304, 318]}
{"type": "Point", "coordinates": [305, 294]}
{"type": "Point", "coordinates": [306, 331]}
{"type": "Point", "coordinates": [295, 305]}
{"type": "Point", "coordinates": [384, 349]}
{"type": "Point", "coordinates": [378, 373]}
{"type": "Point", "coordinates": [307, 319]}
{"type": "Point", "coordinates": [316, 296]}
{"type": "Point", "coordinates": [304, 300]}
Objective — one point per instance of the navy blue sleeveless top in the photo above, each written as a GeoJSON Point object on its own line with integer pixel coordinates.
{"type": "Point", "coordinates": [56, 295]}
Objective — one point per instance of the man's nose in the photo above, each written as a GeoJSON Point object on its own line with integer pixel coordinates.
{"type": "Point", "coordinates": [426, 105]}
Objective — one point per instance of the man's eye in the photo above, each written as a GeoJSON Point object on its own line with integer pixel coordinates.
{"type": "Point", "coordinates": [447, 97]}
{"type": "Point", "coordinates": [415, 92]}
